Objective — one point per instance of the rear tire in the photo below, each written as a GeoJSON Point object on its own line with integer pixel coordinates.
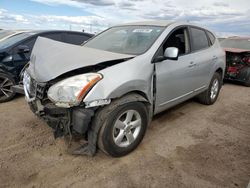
{"type": "Point", "coordinates": [123, 127]}
{"type": "Point", "coordinates": [209, 96]}
{"type": "Point", "coordinates": [247, 83]}
{"type": "Point", "coordinates": [6, 92]}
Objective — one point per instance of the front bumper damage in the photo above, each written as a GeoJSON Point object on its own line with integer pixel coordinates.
{"type": "Point", "coordinates": [78, 119]}
{"type": "Point", "coordinates": [66, 122]}
{"type": "Point", "coordinates": [18, 89]}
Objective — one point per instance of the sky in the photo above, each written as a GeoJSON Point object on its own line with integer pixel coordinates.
{"type": "Point", "coordinates": [224, 17]}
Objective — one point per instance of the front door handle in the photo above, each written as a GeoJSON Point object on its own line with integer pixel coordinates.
{"type": "Point", "coordinates": [192, 64]}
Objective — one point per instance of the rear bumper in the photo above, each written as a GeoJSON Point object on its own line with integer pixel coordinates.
{"type": "Point", "coordinates": [18, 89]}
{"type": "Point", "coordinates": [242, 76]}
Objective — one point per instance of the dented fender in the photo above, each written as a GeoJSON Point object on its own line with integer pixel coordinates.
{"type": "Point", "coordinates": [118, 80]}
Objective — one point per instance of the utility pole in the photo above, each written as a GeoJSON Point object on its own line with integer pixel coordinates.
{"type": "Point", "coordinates": [90, 28]}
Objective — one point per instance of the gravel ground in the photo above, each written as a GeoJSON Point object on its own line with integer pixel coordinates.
{"type": "Point", "coordinates": [191, 145]}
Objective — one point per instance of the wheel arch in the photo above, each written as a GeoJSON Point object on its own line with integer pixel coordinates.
{"type": "Point", "coordinates": [137, 94]}
{"type": "Point", "coordinates": [139, 87]}
{"type": "Point", "coordinates": [6, 72]}
{"type": "Point", "coordinates": [220, 71]}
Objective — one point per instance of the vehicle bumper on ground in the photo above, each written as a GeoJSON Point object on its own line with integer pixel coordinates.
{"type": "Point", "coordinates": [63, 120]}
{"type": "Point", "coordinates": [18, 89]}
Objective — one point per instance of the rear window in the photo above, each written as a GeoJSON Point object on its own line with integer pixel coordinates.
{"type": "Point", "coordinates": [53, 36]}
{"type": "Point", "coordinates": [199, 39]}
{"type": "Point", "coordinates": [75, 38]}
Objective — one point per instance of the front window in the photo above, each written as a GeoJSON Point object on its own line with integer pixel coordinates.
{"type": "Point", "coordinates": [132, 40]}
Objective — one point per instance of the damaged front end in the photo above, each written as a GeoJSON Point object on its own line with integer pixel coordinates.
{"type": "Point", "coordinates": [64, 121]}
{"type": "Point", "coordinates": [61, 119]}
{"type": "Point", "coordinates": [55, 91]}
{"type": "Point", "coordinates": [68, 122]}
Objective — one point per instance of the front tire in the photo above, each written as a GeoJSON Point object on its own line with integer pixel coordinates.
{"type": "Point", "coordinates": [123, 127]}
{"type": "Point", "coordinates": [6, 92]}
{"type": "Point", "coordinates": [209, 96]}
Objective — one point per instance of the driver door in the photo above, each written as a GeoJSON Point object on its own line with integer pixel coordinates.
{"type": "Point", "coordinates": [175, 79]}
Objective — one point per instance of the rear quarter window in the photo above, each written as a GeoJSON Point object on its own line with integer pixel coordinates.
{"type": "Point", "coordinates": [199, 39]}
{"type": "Point", "coordinates": [211, 37]}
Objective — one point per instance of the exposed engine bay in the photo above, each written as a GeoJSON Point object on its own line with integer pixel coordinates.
{"type": "Point", "coordinates": [238, 66]}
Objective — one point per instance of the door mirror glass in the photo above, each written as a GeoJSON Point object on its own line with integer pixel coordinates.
{"type": "Point", "coordinates": [23, 49]}
{"type": "Point", "coordinates": [171, 53]}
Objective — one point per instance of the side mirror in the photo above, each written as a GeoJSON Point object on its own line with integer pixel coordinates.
{"type": "Point", "coordinates": [23, 49]}
{"type": "Point", "coordinates": [171, 53]}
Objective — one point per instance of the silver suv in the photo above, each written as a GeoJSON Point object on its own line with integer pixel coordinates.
{"type": "Point", "coordinates": [108, 90]}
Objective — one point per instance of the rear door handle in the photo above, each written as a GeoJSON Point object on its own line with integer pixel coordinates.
{"type": "Point", "coordinates": [191, 64]}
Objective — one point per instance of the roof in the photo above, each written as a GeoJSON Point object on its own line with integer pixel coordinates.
{"type": "Point", "coordinates": [45, 31]}
{"type": "Point", "coordinates": [52, 31]}
{"type": "Point", "coordinates": [162, 23]}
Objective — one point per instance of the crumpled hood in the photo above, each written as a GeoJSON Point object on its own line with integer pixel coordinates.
{"type": "Point", "coordinates": [50, 59]}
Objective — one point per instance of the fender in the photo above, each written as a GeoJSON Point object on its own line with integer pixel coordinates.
{"type": "Point", "coordinates": [137, 86]}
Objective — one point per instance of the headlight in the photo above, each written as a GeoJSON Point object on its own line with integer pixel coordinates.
{"type": "Point", "coordinates": [70, 92]}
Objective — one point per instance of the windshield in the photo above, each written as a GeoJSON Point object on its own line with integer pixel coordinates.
{"type": "Point", "coordinates": [236, 43]}
{"type": "Point", "coordinates": [14, 39]}
{"type": "Point", "coordinates": [133, 40]}
{"type": "Point", "coordinates": [5, 33]}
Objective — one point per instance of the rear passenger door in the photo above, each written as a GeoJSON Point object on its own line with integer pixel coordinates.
{"type": "Point", "coordinates": [202, 57]}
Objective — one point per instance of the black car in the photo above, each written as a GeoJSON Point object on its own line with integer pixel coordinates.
{"type": "Point", "coordinates": [15, 52]}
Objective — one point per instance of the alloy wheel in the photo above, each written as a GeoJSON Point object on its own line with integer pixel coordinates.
{"type": "Point", "coordinates": [5, 88]}
{"type": "Point", "coordinates": [214, 89]}
{"type": "Point", "coordinates": [127, 128]}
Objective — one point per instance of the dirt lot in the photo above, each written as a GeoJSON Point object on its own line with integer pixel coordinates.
{"type": "Point", "coordinates": [189, 146]}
